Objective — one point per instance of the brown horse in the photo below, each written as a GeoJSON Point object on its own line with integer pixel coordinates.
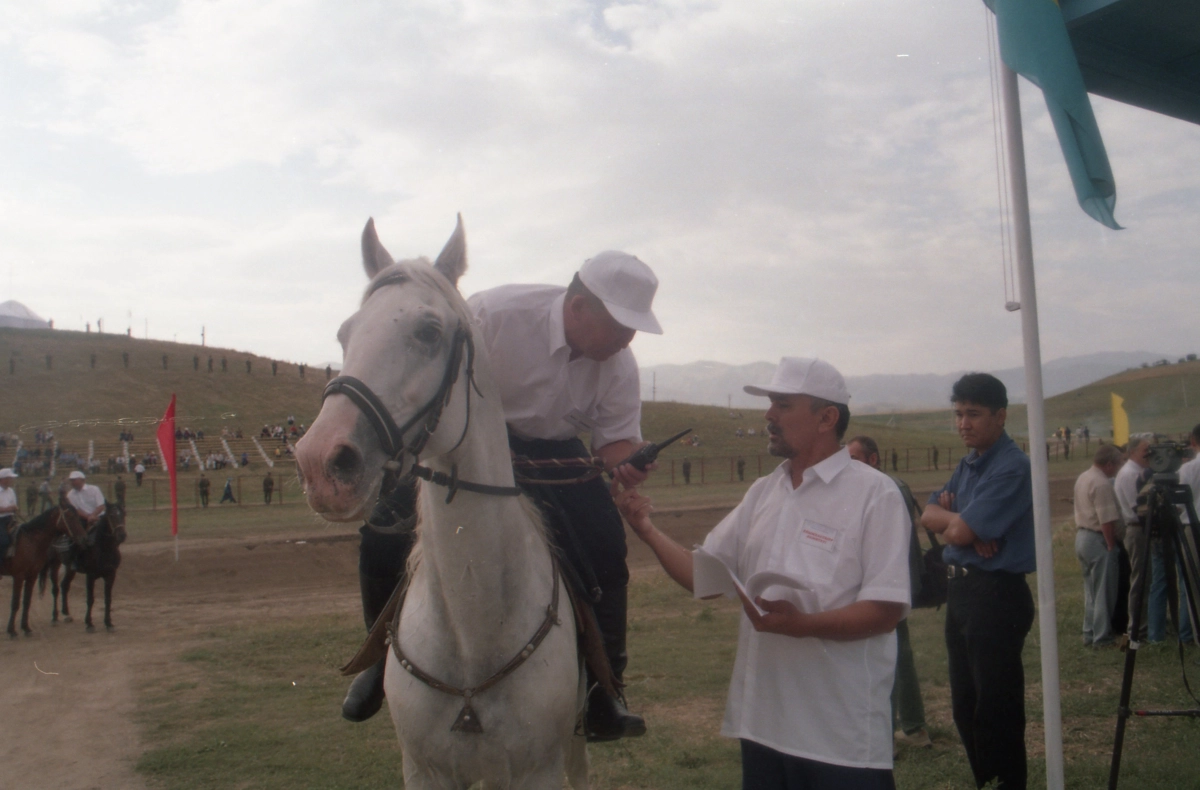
{"type": "Point", "coordinates": [32, 552]}
{"type": "Point", "coordinates": [98, 559]}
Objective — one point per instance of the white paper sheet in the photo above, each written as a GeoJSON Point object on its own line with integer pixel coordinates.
{"type": "Point", "coordinates": [711, 576]}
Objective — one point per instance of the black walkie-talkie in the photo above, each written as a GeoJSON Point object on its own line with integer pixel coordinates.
{"type": "Point", "coordinates": [646, 455]}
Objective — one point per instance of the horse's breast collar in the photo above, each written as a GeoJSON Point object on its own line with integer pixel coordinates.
{"type": "Point", "coordinates": [468, 719]}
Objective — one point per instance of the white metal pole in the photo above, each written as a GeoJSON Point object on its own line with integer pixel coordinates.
{"type": "Point", "coordinates": [1047, 613]}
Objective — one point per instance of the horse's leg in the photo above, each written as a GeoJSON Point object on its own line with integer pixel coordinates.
{"type": "Point", "coordinates": [29, 580]}
{"type": "Point", "coordinates": [66, 586]}
{"type": "Point", "coordinates": [91, 599]}
{"type": "Point", "coordinates": [53, 571]}
{"type": "Point", "coordinates": [16, 603]}
{"type": "Point", "coordinates": [109, 579]}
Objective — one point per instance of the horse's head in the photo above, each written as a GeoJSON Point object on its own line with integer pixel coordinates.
{"type": "Point", "coordinates": [400, 392]}
{"type": "Point", "coordinates": [67, 521]}
{"type": "Point", "coordinates": [114, 517]}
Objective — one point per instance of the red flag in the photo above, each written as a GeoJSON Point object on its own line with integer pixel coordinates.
{"type": "Point", "coordinates": [166, 442]}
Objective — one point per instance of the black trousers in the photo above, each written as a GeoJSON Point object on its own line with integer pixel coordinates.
{"type": "Point", "coordinates": [988, 615]}
{"type": "Point", "coordinates": [763, 768]}
{"type": "Point", "coordinates": [586, 528]}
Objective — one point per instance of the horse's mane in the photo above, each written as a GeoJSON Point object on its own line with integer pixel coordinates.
{"type": "Point", "coordinates": [41, 521]}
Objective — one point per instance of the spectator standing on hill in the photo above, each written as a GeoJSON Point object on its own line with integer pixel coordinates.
{"type": "Point", "coordinates": [139, 470]}
{"type": "Point", "coordinates": [31, 497]}
{"type": "Point", "coordinates": [203, 485]}
{"type": "Point", "coordinates": [985, 514]}
{"type": "Point", "coordinates": [809, 694]}
{"type": "Point", "coordinates": [908, 709]}
{"type": "Point", "coordinates": [227, 494]}
{"type": "Point", "coordinates": [741, 469]}
{"type": "Point", "coordinates": [9, 508]}
{"type": "Point", "coordinates": [119, 491]}
{"type": "Point", "coordinates": [268, 488]}
{"type": "Point", "coordinates": [934, 450]}
{"type": "Point", "coordinates": [687, 471]}
{"type": "Point", "coordinates": [1099, 531]}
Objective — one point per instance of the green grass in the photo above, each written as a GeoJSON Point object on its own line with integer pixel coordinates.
{"type": "Point", "coordinates": [257, 706]}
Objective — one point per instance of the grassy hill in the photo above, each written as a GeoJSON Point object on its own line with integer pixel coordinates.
{"type": "Point", "coordinates": [88, 392]}
{"type": "Point", "coordinates": [1164, 399]}
{"type": "Point", "coordinates": [92, 381]}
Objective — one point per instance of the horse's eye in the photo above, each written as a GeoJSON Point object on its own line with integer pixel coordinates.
{"type": "Point", "coordinates": [428, 334]}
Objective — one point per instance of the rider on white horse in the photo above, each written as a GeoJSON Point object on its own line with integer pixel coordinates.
{"type": "Point", "coordinates": [562, 364]}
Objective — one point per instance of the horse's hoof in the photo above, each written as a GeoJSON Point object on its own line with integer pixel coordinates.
{"type": "Point", "coordinates": [68, 619]}
{"type": "Point", "coordinates": [109, 627]}
{"type": "Point", "coordinates": [91, 628]}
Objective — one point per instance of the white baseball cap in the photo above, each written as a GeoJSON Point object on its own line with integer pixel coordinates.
{"type": "Point", "coordinates": [801, 376]}
{"type": "Point", "coordinates": [626, 286]}
{"type": "Point", "coordinates": [7, 473]}
{"type": "Point", "coordinates": [77, 475]}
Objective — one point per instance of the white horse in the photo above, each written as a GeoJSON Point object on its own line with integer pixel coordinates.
{"type": "Point", "coordinates": [483, 593]}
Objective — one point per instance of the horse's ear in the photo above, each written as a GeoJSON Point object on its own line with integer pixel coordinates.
{"type": "Point", "coordinates": [452, 260]}
{"type": "Point", "coordinates": [375, 257]}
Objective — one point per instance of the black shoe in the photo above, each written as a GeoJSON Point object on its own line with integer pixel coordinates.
{"type": "Point", "coordinates": [608, 719]}
{"type": "Point", "coordinates": [365, 697]}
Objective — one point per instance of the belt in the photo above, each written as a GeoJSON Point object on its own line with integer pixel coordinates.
{"type": "Point", "coordinates": [958, 571]}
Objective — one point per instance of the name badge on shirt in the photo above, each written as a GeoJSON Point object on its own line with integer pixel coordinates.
{"type": "Point", "coordinates": [818, 535]}
{"type": "Point", "coordinates": [580, 421]}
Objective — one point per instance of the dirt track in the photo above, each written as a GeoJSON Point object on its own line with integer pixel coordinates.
{"type": "Point", "coordinates": [68, 697]}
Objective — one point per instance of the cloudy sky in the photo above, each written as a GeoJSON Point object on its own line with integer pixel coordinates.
{"type": "Point", "coordinates": [805, 176]}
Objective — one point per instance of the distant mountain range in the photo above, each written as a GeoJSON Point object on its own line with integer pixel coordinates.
{"type": "Point", "coordinates": [718, 384]}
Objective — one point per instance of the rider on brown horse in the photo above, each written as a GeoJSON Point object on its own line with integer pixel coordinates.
{"type": "Point", "coordinates": [9, 508]}
{"type": "Point", "coordinates": [88, 501]}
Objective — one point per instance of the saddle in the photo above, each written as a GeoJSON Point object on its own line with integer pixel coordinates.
{"type": "Point", "coordinates": [589, 641]}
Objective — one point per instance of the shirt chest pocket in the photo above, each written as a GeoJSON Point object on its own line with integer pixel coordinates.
{"type": "Point", "coordinates": [811, 553]}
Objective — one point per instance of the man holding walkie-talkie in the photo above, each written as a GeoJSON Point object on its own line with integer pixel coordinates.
{"type": "Point", "coordinates": [562, 362]}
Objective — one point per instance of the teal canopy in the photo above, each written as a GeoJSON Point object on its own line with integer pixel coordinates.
{"type": "Point", "coordinates": [1140, 52]}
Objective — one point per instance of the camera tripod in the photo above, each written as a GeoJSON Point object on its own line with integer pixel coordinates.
{"type": "Point", "coordinates": [1164, 495]}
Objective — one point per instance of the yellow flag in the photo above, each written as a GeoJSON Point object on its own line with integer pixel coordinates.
{"type": "Point", "coordinates": [1120, 420]}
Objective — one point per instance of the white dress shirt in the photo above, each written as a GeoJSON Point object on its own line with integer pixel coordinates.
{"type": "Point", "coordinates": [843, 534]}
{"type": "Point", "coordinates": [8, 499]}
{"type": "Point", "coordinates": [546, 394]}
{"type": "Point", "coordinates": [1126, 488]}
{"type": "Point", "coordinates": [86, 499]}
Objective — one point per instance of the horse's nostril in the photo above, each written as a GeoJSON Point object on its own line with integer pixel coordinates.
{"type": "Point", "coordinates": [346, 464]}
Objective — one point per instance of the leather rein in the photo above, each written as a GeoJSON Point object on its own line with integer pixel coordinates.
{"type": "Point", "coordinates": [392, 437]}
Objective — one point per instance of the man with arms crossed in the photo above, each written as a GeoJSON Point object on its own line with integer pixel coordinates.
{"type": "Point", "coordinates": [810, 693]}
{"type": "Point", "coordinates": [985, 515]}
{"type": "Point", "coordinates": [1100, 530]}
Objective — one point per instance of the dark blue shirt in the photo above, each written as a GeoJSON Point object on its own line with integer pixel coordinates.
{"type": "Point", "coordinates": [993, 493]}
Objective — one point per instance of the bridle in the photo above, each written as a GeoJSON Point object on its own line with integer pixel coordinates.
{"type": "Point", "coordinates": [425, 420]}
